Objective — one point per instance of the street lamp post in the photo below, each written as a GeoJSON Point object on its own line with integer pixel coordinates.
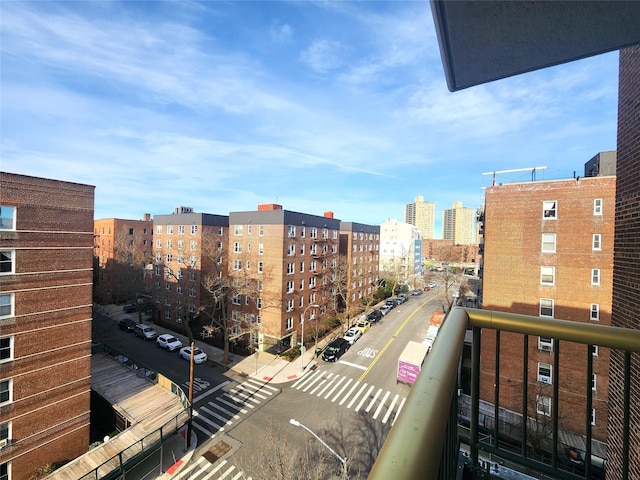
{"type": "Point", "coordinates": [343, 461]}
{"type": "Point", "coordinates": [304, 316]}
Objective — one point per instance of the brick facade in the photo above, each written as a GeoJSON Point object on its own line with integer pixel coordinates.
{"type": "Point", "coordinates": [513, 262]}
{"type": "Point", "coordinates": [48, 364]}
{"type": "Point", "coordinates": [626, 278]}
{"type": "Point", "coordinates": [360, 247]}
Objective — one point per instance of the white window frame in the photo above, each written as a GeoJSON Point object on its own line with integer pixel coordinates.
{"type": "Point", "coordinates": [594, 312]}
{"type": "Point", "coordinates": [159, 229]}
{"type": "Point", "coordinates": [549, 304]}
{"type": "Point", "coordinates": [291, 250]}
{"type": "Point", "coordinates": [290, 305]}
{"type": "Point", "coordinates": [289, 323]}
{"type": "Point", "coordinates": [546, 271]}
{"type": "Point", "coordinates": [9, 382]}
{"type": "Point", "coordinates": [290, 288]}
{"type": "Point", "coordinates": [260, 267]}
{"type": "Point", "coordinates": [597, 206]}
{"type": "Point", "coordinates": [8, 222]}
{"type": "Point", "coordinates": [594, 350]}
{"type": "Point", "coordinates": [237, 247]}
{"type": "Point", "coordinates": [193, 245]}
{"type": "Point", "coordinates": [594, 382]}
{"type": "Point", "coordinates": [9, 348]}
{"type": "Point", "coordinates": [237, 230]}
{"type": "Point", "coordinates": [550, 209]}
{"type": "Point", "coordinates": [194, 229]}
{"type": "Point", "coordinates": [237, 264]}
{"type": "Point", "coordinates": [549, 242]}
{"type": "Point", "coordinates": [290, 268]}
{"type": "Point", "coordinates": [593, 416]}
{"type": "Point", "coordinates": [543, 405]}
{"type": "Point", "coordinates": [260, 248]}
{"type": "Point", "coordinates": [542, 375]}
{"type": "Point", "coordinates": [596, 243]}
{"type": "Point", "coordinates": [11, 261]}
{"type": "Point", "coordinates": [545, 344]}
{"type": "Point", "coordinates": [180, 244]}
{"type": "Point", "coordinates": [170, 229]}
{"type": "Point", "coordinates": [7, 304]}
{"type": "Point", "coordinates": [595, 276]}
{"type": "Point", "coordinates": [261, 230]}
{"type": "Point", "coordinates": [180, 229]}
{"type": "Point", "coordinates": [292, 231]}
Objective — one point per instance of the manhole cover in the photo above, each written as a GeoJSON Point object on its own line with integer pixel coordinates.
{"type": "Point", "coordinates": [217, 451]}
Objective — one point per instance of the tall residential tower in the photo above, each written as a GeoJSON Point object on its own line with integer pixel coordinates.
{"type": "Point", "coordinates": [422, 215]}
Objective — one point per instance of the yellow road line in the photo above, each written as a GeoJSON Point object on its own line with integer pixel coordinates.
{"type": "Point", "coordinates": [391, 340]}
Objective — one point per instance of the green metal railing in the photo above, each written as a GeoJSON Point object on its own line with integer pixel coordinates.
{"type": "Point", "coordinates": [423, 442]}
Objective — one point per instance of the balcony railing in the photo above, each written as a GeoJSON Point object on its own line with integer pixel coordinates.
{"type": "Point", "coordinates": [424, 442]}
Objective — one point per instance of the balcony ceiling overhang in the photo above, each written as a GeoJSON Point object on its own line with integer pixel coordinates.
{"type": "Point", "coordinates": [482, 41]}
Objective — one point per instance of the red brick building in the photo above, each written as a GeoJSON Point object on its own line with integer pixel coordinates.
{"type": "Point", "coordinates": [46, 251]}
{"type": "Point", "coordinates": [549, 252]}
{"type": "Point", "coordinates": [122, 248]}
{"type": "Point", "coordinates": [626, 278]}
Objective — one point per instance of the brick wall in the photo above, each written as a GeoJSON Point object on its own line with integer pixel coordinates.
{"type": "Point", "coordinates": [51, 328]}
{"type": "Point", "coordinates": [626, 280]}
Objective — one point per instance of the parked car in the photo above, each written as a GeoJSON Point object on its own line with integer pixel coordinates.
{"type": "Point", "coordinates": [198, 355]}
{"type": "Point", "coordinates": [352, 335]}
{"type": "Point", "coordinates": [385, 309]}
{"type": "Point", "coordinates": [400, 299]}
{"type": "Point", "coordinates": [144, 331]}
{"type": "Point", "coordinates": [129, 308]}
{"type": "Point", "coordinates": [363, 326]}
{"type": "Point", "coordinates": [335, 350]}
{"type": "Point", "coordinates": [417, 292]}
{"type": "Point", "coordinates": [374, 316]}
{"type": "Point", "coordinates": [431, 284]}
{"type": "Point", "coordinates": [169, 342]}
{"type": "Point", "coordinates": [127, 325]}
{"type": "Point", "coordinates": [391, 302]}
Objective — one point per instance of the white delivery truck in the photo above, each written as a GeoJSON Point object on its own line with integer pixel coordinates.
{"type": "Point", "coordinates": [410, 362]}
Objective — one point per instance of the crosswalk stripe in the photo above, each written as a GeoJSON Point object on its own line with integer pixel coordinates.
{"type": "Point", "coordinates": [313, 380]}
{"type": "Point", "coordinates": [349, 380]}
{"type": "Point", "coordinates": [236, 399]}
{"type": "Point", "coordinates": [222, 409]}
{"type": "Point", "coordinates": [327, 385]}
{"type": "Point", "coordinates": [186, 472]}
{"type": "Point", "coordinates": [238, 475]}
{"type": "Point", "coordinates": [229, 471]}
{"type": "Point", "coordinates": [373, 400]}
{"type": "Point", "coordinates": [322, 382]}
{"type": "Point", "coordinates": [364, 399]}
{"type": "Point", "coordinates": [357, 395]}
{"type": "Point", "coordinates": [261, 386]}
{"type": "Point", "coordinates": [344, 399]}
{"type": "Point", "coordinates": [206, 420]}
{"type": "Point", "coordinates": [388, 414]}
{"type": "Point", "coordinates": [214, 414]}
{"type": "Point", "coordinates": [218, 467]}
{"type": "Point", "coordinates": [398, 411]}
{"type": "Point", "coordinates": [249, 393]}
{"type": "Point", "coordinates": [236, 407]}
{"type": "Point", "coordinates": [382, 402]}
{"type": "Point", "coordinates": [340, 380]}
{"type": "Point", "coordinates": [210, 391]}
{"type": "Point", "coordinates": [203, 430]}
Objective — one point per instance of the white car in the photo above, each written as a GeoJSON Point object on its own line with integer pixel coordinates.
{"type": "Point", "coordinates": [352, 335]}
{"type": "Point", "coordinates": [198, 355]}
{"type": "Point", "coordinates": [169, 342]}
{"type": "Point", "coordinates": [385, 309]}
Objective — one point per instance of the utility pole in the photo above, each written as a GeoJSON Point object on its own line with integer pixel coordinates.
{"type": "Point", "coordinates": [191, 372]}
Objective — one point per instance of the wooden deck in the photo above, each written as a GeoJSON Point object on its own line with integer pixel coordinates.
{"type": "Point", "coordinates": [146, 405]}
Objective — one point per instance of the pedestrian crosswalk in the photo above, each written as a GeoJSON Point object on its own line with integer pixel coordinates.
{"type": "Point", "coordinates": [213, 416]}
{"type": "Point", "coordinates": [202, 469]}
{"type": "Point", "coordinates": [352, 394]}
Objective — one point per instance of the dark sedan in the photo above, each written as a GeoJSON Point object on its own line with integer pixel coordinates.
{"type": "Point", "coordinates": [126, 324]}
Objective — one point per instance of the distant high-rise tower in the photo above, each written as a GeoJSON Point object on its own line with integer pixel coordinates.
{"type": "Point", "coordinates": [421, 214]}
{"type": "Point", "coordinates": [457, 224]}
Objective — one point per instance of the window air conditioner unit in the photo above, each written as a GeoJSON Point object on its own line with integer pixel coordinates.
{"type": "Point", "coordinates": [4, 442]}
{"type": "Point", "coordinates": [545, 379]}
{"type": "Point", "coordinates": [545, 347]}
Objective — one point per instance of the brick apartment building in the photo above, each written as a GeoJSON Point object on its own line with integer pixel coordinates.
{"type": "Point", "coordinates": [187, 246]}
{"type": "Point", "coordinates": [122, 248]}
{"type": "Point", "coordinates": [360, 247]}
{"type": "Point", "coordinates": [291, 256]}
{"type": "Point", "coordinates": [626, 276]}
{"type": "Point", "coordinates": [549, 253]}
{"type": "Point", "coordinates": [46, 258]}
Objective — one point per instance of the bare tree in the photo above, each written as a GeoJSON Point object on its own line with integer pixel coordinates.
{"type": "Point", "coordinates": [336, 290]}
{"type": "Point", "coordinates": [448, 276]}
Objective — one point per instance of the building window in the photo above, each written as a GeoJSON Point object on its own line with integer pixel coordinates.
{"type": "Point", "coordinates": [6, 305]}
{"type": "Point", "coordinates": [290, 268]}
{"type": "Point", "coordinates": [595, 276]}
{"type": "Point", "coordinates": [313, 233]}
{"type": "Point", "coordinates": [546, 307]}
{"type": "Point", "coordinates": [544, 372]}
{"type": "Point", "coordinates": [192, 276]}
{"type": "Point", "coordinates": [167, 286]}
{"type": "Point", "coordinates": [159, 229]}
{"type": "Point", "coordinates": [6, 349]}
{"type": "Point", "coordinates": [236, 299]}
{"type": "Point", "coordinates": [301, 267]}
{"type": "Point", "coordinates": [158, 243]}
{"type": "Point", "coordinates": [302, 231]}
{"type": "Point", "coordinates": [169, 257]}
{"type": "Point", "coordinates": [292, 231]}
{"type": "Point", "coordinates": [325, 233]}
{"type": "Point", "coordinates": [260, 248]}
{"type": "Point", "coordinates": [181, 229]}
{"type": "Point", "coordinates": [597, 241]}
{"type": "Point", "coordinates": [549, 209]}
{"type": "Point", "coordinates": [302, 249]}
{"type": "Point", "coordinates": [169, 244]}
{"type": "Point", "coordinates": [167, 314]}
{"type": "Point", "coordinates": [7, 262]}
{"type": "Point", "coordinates": [237, 247]}
{"type": "Point", "coordinates": [543, 405]}
{"type": "Point", "coordinates": [6, 391]}
{"type": "Point", "coordinates": [545, 344]}
{"type": "Point", "coordinates": [289, 323]}
{"type": "Point", "coordinates": [248, 265]}
{"type": "Point", "coordinates": [237, 264]}
{"type": "Point", "coordinates": [290, 305]}
{"type": "Point", "coordinates": [5, 435]}
{"type": "Point", "coordinates": [193, 245]}
{"type": "Point", "coordinates": [547, 275]}
{"type": "Point", "coordinates": [237, 229]}
{"type": "Point", "coordinates": [260, 267]}
{"type": "Point", "coordinates": [249, 247]}
{"type": "Point", "coordinates": [594, 380]}
{"type": "Point", "coordinates": [261, 230]}
{"type": "Point", "coordinates": [158, 270]}
{"type": "Point", "coordinates": [179, 289]}
{"type": "Point", "coordinates": [7, 217]}
{"type": "Point", "coordinates": [290, 286]}
{"type": "Point", "coordinates": [181, 259]}
{"type": "Point", "coordinates": [180, 244]}
{"type": "Point", "coordinates": [192, 291]}
{"type": "Point", "coordinates": [259, 303]}
{"type": "Point", "coordinates": [549, 242]}
{"type": "Point", "coordinates": [194, 229]}
{"type": "Point", "coordinates": [593, 416]}
{"type": "Point", "coordinates": [291, 250]}
{"type": "Point", "coordinates": [595, 312]}
{"type": "Point", "coordinates": [597, 206]}
{"type": "Point", "coordinates": [193, 261]}
{"type": "Point", "coordinates": [248, 229]}
{"type": "Point", "coordinates": [594, 350]}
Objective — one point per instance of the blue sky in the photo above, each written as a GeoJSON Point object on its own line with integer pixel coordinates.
{"type": "Point", "coordinates": [317, 106]}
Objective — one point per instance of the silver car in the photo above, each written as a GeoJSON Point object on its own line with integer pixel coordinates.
{"type": "Point", "coordinates": [169, 342]}
{"type": "Point", "coordinates": [198, 355]}
{"type": "Point", "coordinates": [352, 335]}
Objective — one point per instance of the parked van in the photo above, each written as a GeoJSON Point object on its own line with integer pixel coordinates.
{"type": "Point", "coordinates": [145, 332]}
{"type": "Point", "coordinates": [335, 350]}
